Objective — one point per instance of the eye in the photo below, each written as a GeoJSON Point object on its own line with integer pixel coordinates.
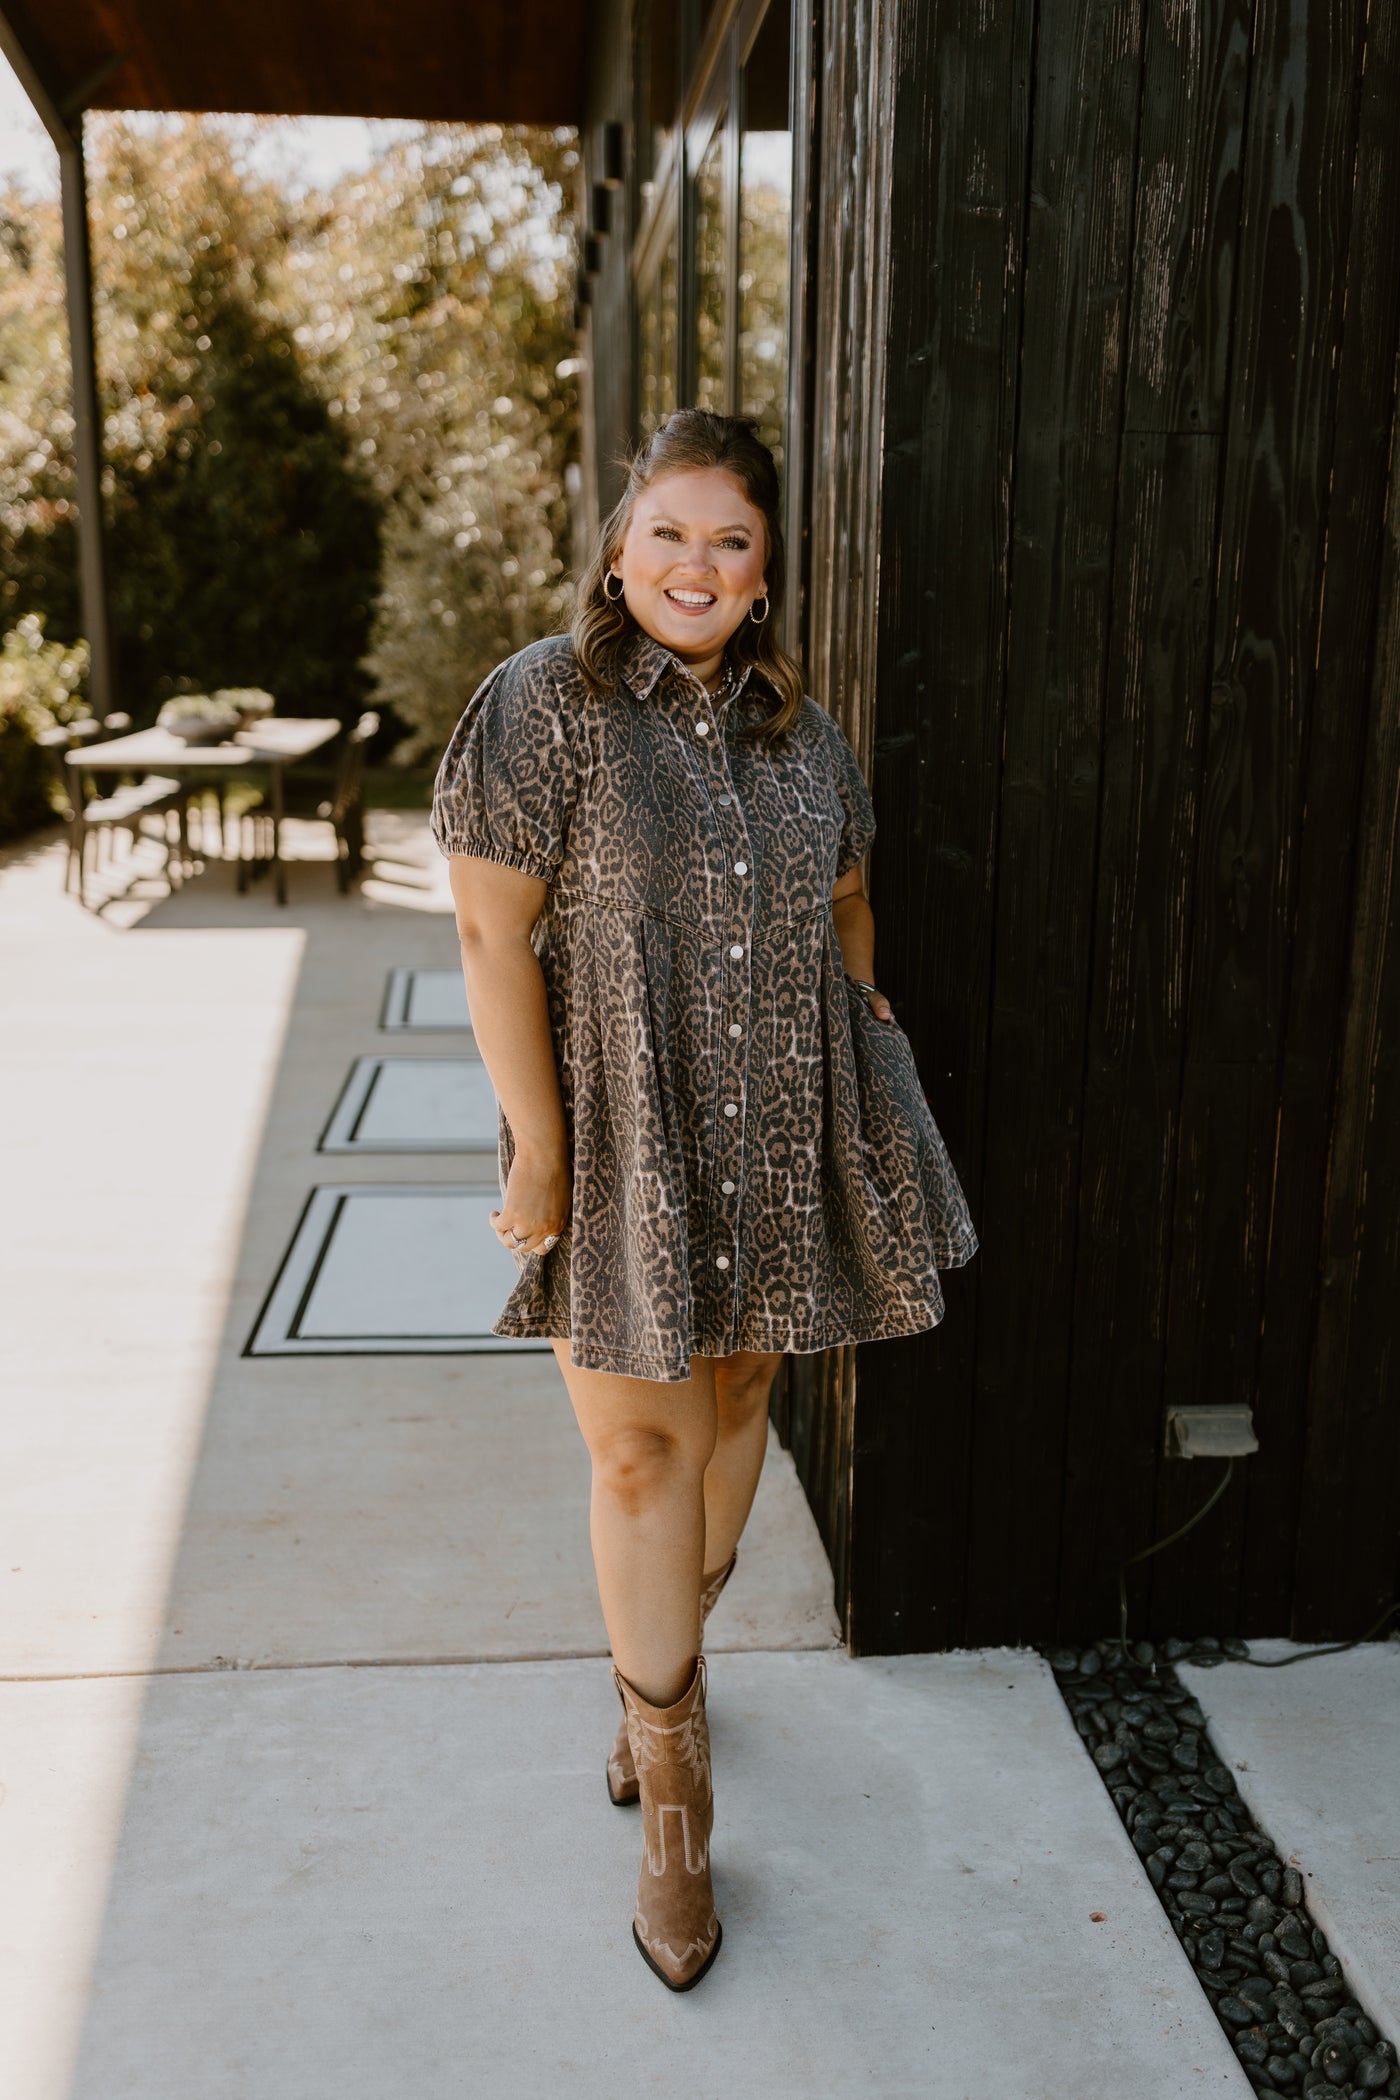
{"type": "Point", "coordinates": [736, 540]}
{"type": "Point", "coordinates": [664, 532]}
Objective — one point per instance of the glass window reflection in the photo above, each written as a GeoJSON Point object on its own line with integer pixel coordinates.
{"type": "Point", "coordinates": [710, 275]}
{"type": "Point", "coordinates": [765, 230]}
{"type": "Point", "coordinates": [657, 359]}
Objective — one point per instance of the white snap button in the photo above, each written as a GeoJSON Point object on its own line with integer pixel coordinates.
{"type": "Point", "coordinates": [737, 953]}
{"type": "Point", "coordinates": [721, 1261]}
{"type": "Point", "coordinates": [728, 1187]}
{"type": "Point", "coordinates": [735, 1029]}
{"type": "Point", "coordinates": [731, 1108]}
{"type": "Point", "coordinates": [741, 867]}
{"type": "Point", "coordinates": [725, 800]}
{"type": "Point", "coordinates": [702, 729]}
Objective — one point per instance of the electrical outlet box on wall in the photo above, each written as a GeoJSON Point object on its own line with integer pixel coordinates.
{"type": "Point", "coordinates": [1210, 1432]}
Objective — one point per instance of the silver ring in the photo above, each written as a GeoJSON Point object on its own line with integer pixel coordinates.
{"type": "Point", "coordinates": [519, 1237]}
{"type": "Point", "coordinates": [551, 1239]}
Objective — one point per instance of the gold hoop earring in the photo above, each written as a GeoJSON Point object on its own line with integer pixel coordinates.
{"type": "Point", "coordinates": [611, 576]}
{"type": "Point", "coordinates": [763, 601]}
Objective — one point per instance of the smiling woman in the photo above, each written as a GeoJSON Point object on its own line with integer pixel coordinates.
{"type": "Point", "coordinates": [693, 554]}
{"type": "Point", "coordinates": [714, 1144]}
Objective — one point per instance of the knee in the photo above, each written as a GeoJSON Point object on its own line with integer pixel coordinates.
{"type": "Point", "coordinates": [638, 1468]}
{"type": "Point", "coordinates": [741, 1395]}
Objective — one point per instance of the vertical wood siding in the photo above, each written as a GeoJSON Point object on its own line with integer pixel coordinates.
{"type": "Point", "coordinates": [1134, 754]}
{"type": "Point", "coordinates": [1102, 579]}
{"type": "Point", "coordinates": [853, 234]}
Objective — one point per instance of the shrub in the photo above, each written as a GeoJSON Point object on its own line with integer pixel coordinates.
{"type": "Point", "coordinates": [39, 683]}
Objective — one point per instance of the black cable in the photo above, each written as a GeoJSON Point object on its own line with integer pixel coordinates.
{"type": "Point", "coordinates": [1281, 1662]}
{"type": "Point", "coordinates": [1147, 1552]}
{"type": "Point", "coordinates": [1304, 1655]}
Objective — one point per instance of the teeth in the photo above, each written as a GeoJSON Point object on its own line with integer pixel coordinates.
{"type": "Point", "coordinates": [692, 597]}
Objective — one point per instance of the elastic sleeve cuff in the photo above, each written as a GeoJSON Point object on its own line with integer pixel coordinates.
{"type": "Point", "coordinates": [503, 856]}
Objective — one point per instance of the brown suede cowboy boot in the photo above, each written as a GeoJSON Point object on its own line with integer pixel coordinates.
{"type": "Point", "coordinates": [675, 1927]}
{"type": "Point", "coordinates": [622, 1773]}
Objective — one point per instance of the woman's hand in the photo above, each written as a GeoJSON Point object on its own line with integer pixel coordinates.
{"type": "Point", "coordinates": [877, 1002]}
{"type": "Point", "coordinates": [537, 1201]}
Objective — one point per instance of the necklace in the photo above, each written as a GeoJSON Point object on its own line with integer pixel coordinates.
{"type": "Point", "coordinates": [726, 687]}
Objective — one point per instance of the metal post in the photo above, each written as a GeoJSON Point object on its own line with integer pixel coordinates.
{"type": "Point", "coordinates": [24, 45]}
{"type": "Point", "coordinates": [87, 425]}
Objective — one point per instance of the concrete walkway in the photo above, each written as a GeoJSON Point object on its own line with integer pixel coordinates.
{"type": "Point", "coordinates": [1315, 1749]}
{"type": "Point", "coordinates": [305, 1705]}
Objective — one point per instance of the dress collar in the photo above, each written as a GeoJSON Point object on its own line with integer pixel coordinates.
{"type": "Point", "coordinates": [643, 661]}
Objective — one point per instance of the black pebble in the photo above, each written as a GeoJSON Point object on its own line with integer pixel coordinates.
{"type": "Point", "coordinates": [1293, 2020]}
{"type": "Point", "coordinates": [1292, 1887]}
{"type": "Point", "coordinates": [1237, 2012]}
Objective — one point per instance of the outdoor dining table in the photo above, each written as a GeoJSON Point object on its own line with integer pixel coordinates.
{"type": "Point", "coordinates": [276, 743]}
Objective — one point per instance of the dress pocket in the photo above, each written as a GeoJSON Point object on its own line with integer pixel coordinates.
{"type": "Point", "coordinates": [905, 1159]}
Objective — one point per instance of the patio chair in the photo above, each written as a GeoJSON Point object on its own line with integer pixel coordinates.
{"type": "Point", "coordinates": [345, 810]}
{"type": "Point", "coordinates": [90, 814]}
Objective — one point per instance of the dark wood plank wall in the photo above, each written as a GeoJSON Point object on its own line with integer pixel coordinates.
{"type": "Point", "coordinates": [849, 238]}
{"type": "Point", "coordinates": [1135, 770]}
{"type": "Point", "coordinates": [1103, 581]}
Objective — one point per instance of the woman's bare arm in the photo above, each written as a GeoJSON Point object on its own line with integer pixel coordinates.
{"type": "Point", "coordinates": [496, 909]}
{"type": "Point", "coordinates": [855, 930]}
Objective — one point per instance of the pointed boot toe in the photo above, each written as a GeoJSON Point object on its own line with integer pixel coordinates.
{"type": "Point", "coordinates": [674, 1924]}
{"type": "Point", "coordinates": [675, 1965]}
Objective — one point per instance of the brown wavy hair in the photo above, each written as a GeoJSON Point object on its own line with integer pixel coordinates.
{"type": "Point", "coordinates": [687, 442]}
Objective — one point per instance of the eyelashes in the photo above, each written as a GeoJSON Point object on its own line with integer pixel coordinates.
{"type": "Point", "coordinates": [734, 540]}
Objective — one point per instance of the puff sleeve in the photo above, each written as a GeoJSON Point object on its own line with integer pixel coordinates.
{"type": "Point", "coordinates": [507, 783]}
{"type": "Point", "coordinates": [858, 829]}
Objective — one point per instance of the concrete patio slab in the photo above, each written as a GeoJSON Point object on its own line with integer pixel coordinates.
{"type": "Point", "coordinates": [169, 1503]}
{"type": "Point", "coordinates": [1314, 1752]}
{"type": "Point", "coordinates": [345, 1884]}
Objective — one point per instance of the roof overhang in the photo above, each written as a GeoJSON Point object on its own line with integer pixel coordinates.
{"type": "Point", "coordinates": [465, 61]}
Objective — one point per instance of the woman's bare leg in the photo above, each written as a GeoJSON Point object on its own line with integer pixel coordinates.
{"type": "Point", "coordinates": [742, 1385]}
{"type": "Point", "coordinates": [650, 1443]}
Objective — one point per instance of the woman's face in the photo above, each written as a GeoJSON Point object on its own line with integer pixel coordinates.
{"type": "Point", "coordinates": [691, 561]}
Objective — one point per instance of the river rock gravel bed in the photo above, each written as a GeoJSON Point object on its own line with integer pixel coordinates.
{"type": "Point", "coordinates": [1239, 1910]}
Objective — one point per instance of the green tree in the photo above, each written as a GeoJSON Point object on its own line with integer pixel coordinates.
{"type": "Point", "coordinates": [289, 384]}
{"type": "Point", "coordinates": [242, 537]}
{"type": "Point", "coordinates": [438, 301]}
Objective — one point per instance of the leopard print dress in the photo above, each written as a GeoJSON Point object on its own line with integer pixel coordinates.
{"type": "Point", "coordinates": [755, 1165]}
